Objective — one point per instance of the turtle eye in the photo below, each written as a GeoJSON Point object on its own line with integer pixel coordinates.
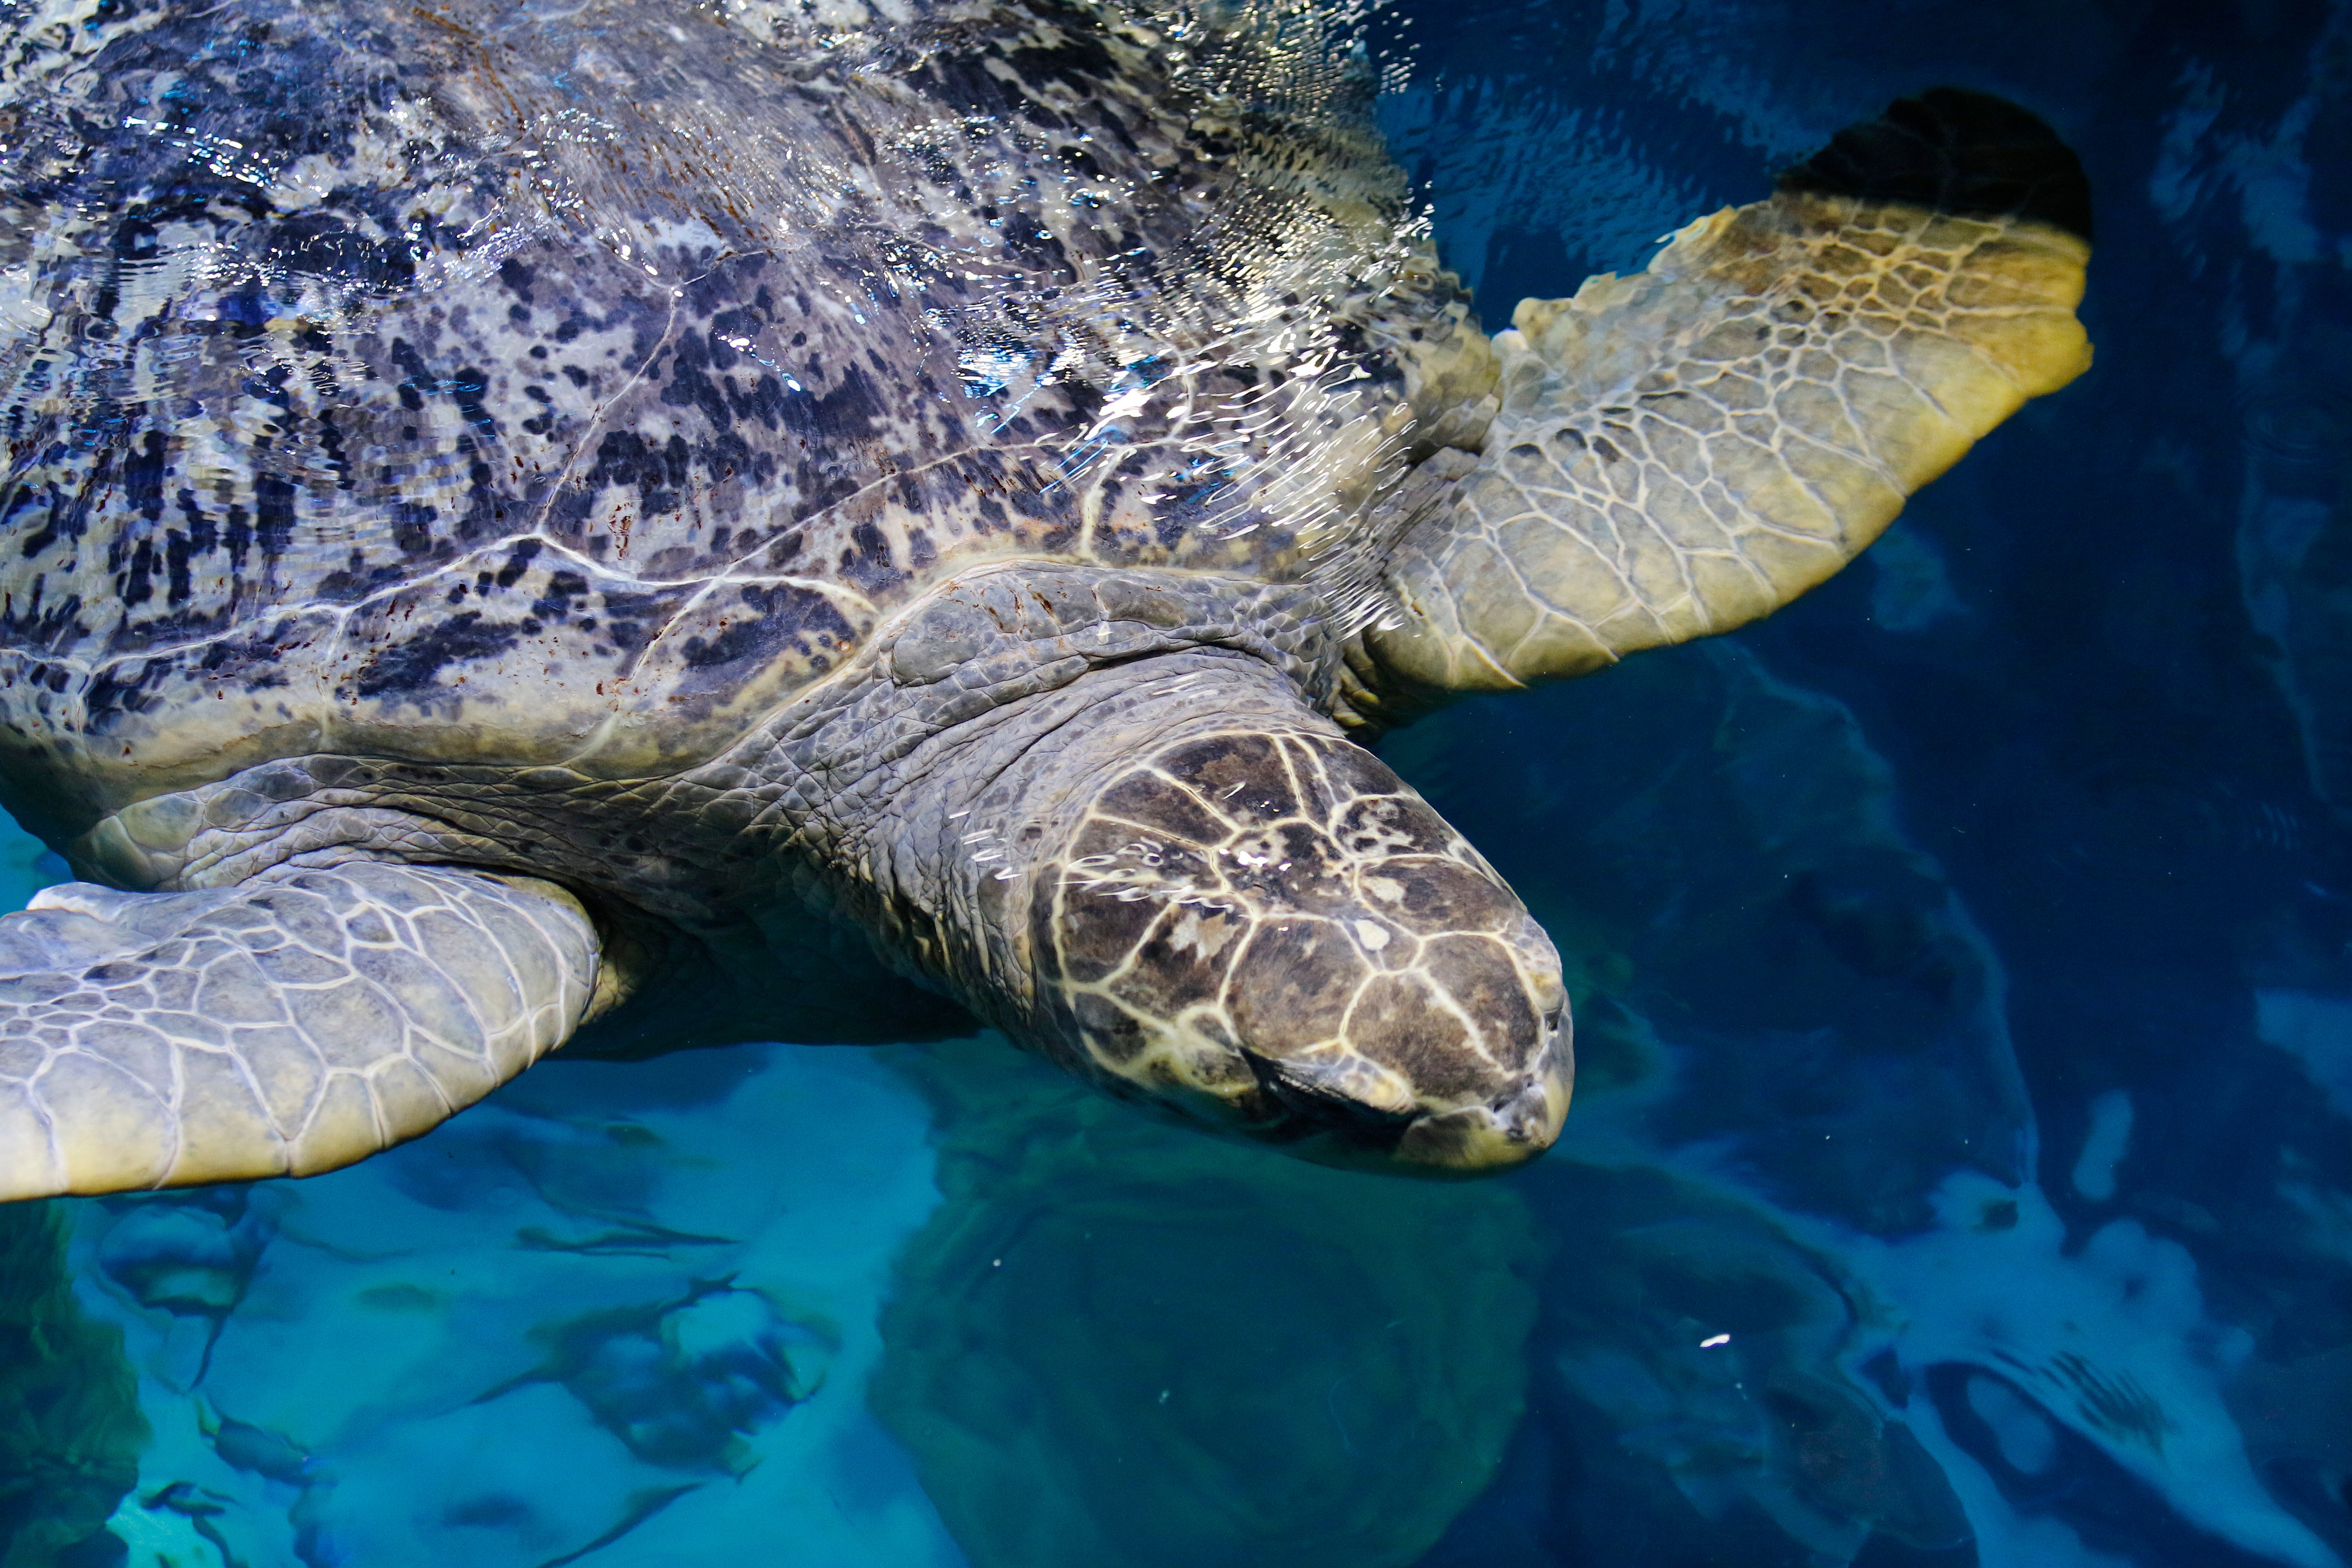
{"type": "Point", "coordinates": [1551, 1019]}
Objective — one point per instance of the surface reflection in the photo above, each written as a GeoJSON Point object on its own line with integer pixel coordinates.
{"type": "Point", "coordinates": [1961, 1166]}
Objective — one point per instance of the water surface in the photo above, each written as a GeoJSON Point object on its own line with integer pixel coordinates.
{"type": "Point", "coordinates": [1961, 1166]}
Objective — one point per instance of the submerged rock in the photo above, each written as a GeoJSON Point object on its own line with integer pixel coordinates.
{"type": "Point", "coordinates": [1119, 1344]}
{"type": "Point", "coordinates": [1695, 1400]}
{"type": "Point", "coordinates": [71, 1428]}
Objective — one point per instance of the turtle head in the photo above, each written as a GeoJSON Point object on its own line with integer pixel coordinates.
{"type": "Point", "coordinates": [1263, 925]}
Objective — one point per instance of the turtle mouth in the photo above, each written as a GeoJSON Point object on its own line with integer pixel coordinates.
{"type": "Point", "coordinates": [1311, 1111]}
{"type": "Point", "coordinates": [1479, 1139]}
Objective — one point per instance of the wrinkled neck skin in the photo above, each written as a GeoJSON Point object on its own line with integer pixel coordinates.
{"type": "Point", "coordinates": [1103, 810]}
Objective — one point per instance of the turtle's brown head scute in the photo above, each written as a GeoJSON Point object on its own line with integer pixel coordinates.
{"type": "Point", "coordinates": [1265, 926]}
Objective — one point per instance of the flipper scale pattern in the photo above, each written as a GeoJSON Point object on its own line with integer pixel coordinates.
{"type": "Point", "coordinates": [290, 1024]}
{"type": "Point", "coordinates": [1683, 450]}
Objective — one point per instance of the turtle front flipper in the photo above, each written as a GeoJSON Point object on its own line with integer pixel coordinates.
{"type": "Point", "coordinates": [1680, 451]}
{"type": "Point", "coordinates": [286, 1025]}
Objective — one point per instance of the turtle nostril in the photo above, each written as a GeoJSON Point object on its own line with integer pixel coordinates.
{"type": "Point", "coordinates": [1521, 1116]}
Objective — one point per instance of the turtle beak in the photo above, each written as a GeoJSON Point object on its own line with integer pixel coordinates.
{"type": "Point", "coordinates": [1336, 1110]}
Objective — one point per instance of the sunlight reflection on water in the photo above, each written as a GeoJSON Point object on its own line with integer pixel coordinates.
{"type": "Point", "coordinates": [1959, 1170]}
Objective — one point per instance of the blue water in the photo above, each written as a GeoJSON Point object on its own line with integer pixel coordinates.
{"type": "Point", "coordinates": [1961, 1164]}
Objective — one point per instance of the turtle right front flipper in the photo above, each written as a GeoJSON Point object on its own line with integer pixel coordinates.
{"type": "Point", "coordinates": [1683, 450]}
{"type": "Point", "coordinates": [289, 1024]}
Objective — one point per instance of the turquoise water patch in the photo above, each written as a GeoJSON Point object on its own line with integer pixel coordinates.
{"type": "Point", "coordinates": [1958, 1176]}
{"type": "Point", "coordinates": [620, 1308]}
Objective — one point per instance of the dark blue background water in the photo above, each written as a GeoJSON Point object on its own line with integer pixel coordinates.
{"type": "Point", "coordinates": [1961, 1167]}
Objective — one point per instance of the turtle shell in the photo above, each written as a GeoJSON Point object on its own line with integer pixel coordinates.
{"type": "Point", "coordinates": [495, 385]}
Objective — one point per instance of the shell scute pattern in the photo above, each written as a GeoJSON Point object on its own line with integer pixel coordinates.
{"type": "Point", "coordinates": [489, 388]}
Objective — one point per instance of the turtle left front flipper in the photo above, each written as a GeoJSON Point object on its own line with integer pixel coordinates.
{"type": "Point", "coordinates": [289, 1024]}
{"type": "Point", "coordinates": [1683, 450]}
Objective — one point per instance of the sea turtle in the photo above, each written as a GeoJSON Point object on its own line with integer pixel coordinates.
{"type": "Point", "coordinates": [828, 519]}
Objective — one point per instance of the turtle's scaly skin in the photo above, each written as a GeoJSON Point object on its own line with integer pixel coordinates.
{"type": "Point", "coordinates": [1824, 357]}
{"type": "Point", "coordinates": [274, 1026]}
{"type": "Point", "coordinates": [574, 392]}
{"type": "Point", "coordinates": [711, 515]}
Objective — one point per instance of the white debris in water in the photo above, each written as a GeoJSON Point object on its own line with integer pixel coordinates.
{"type": "Point", "coordinates": [2103, 1146]}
